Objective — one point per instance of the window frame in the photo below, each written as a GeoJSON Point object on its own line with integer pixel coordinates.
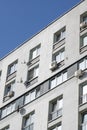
{"type": "Point", "coordinates": [83, 97]}
{"type": "Point", "coordinates": [58, 110]}
{"type": "Point", "coordinates": [55, 127]}
{"type": "Point", "coordinates": [38, 47]}
{"type": "Point", "coordinates": [60, 35]}
{"type": "Point", "coordinates": [24, 120]}
{"type": "Point", "coordinates": [84, 62]}
{"type": "Point", "coordinates": [10, 106]}
{"type": "Point", "coordinates": [82, 44]}
{"type": "Point", "coordinates": [60, 54]}
{"type": "Point", "coordinates": [33, 72]}
{"type": "Point", "coordinates": [83, 16]}
{"type": "Point", "coordinates": [83, 124]}
{"type": "Point", "coordinates": [10, 66]}
{"type": "Point", "coordinates": [11, 85]}
{"type": "Point", "coordinates": [56, 79]}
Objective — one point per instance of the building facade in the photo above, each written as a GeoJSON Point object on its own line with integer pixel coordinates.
{"type": "Point", "coordinates": [43, 83]}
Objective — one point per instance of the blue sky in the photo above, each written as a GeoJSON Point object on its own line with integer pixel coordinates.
{"type": "Point", "coordinates": [20, 19]}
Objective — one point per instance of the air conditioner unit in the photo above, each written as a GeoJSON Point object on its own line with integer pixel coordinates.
{"type": "Point", "coordinates": [78, 73]}
{"type": "Point", "coordinates": [10, 94]}
{"type": "Point", "coordinates": [53, 65]}
{"type": "Point", "coordinates": [83, 25]}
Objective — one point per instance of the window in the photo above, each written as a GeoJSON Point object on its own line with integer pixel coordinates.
{"type": "Point", "coordinates": [35, 52]}
{"type": "Point", "coordinates": [7, 110]}
{"type": "Point", "coordinates": [84, 17]}
{"type": "Point", "coordinates": [58, 79]}
{"type": "Point", "coordinates": [59, 35]}
{"type": "Point", "coordinates": [30, 96]}
{"type": "Point", "coordinates": [83, 21]}
{"type": "Point", "coordinates": [59, 56]}
{"type": "Point", "coordinates": [37, 91]}
{"type": "Point", "coordinates": [9, 89]}
{"type": "Point", "coordinates": [83, 64]}
{"type": "Point", "coordinates": [55, 108]}
{"type": "Point", "coordinates": [5, 128]}
{"type": "Point", "coordinates": [12, 68]}
{"type": "Point", "coordinates": [57, 127]}
{"type": "Point", "coordinates": [83, 40]}
{"type": "Point", "coordinates": [84, 121]}
{"type": "Point", "coordinates": [83, 92]}
{"type": "Point", "coordinates": [33, 73]}
{"type": "Point", "coordinates": [28, 122]}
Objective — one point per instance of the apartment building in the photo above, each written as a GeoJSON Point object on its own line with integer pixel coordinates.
{"type": "Point", "coordinates": [43, 82]}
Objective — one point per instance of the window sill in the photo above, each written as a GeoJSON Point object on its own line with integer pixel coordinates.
{"type": "Point", "coordinates": [59, 65]}
{"type": "Point", "coordinates": [31, 82]}
{"type": "Point", "coordinates": [33, 61]}
{"type": "Point", "coordinates": [54, 119]}
{"type": "Point", "coordinates": [58, 44]}
{"type": "Point", "coordinates": [83, 29]}
{"type": "Point", "coordinates": [83, 49]}
{"type": "Point", "coordinates": [82, 106]}
{"type": "Point", "coordinates": [11, 76]}
{"type": "Point", "coordinates": [6, 98]}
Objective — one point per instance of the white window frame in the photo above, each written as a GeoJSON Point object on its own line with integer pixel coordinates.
{"type": "Point", "coordinates": [83, 64]}
{"type": "Point", "coordinates": [30, 96]}
{"type": "Point", "coordinates": [12, 68]}
{"type": "Point", "coordinates": [84, 121]}
{"type": "Point", "coordinates": [61, 34]}
{"type": "Point", "coordinates": [59, 56]}
{"type": "Point", "coordinates": [35, 52]}
{"type": "Point", "coordinates": [29, 117]}
{"type": "Point", "coordinates": [62, 77]}
{"type": "Point", "coordinates": [35, 72]}
{"type": "Point", "coordinates": [85, 18]}
{"type": "Point", "coordinates": [58, 108]}
{"type": "Point", "coordinates": [12, 87]}
{"type": "Point", "coordinates": [82, 42]}
{"type": "Point", "coordinates": [84, 93]}
{"type": "Point", "coordinates": [9, 109]}
{"type": "Point", "coordinates": [58, 127]}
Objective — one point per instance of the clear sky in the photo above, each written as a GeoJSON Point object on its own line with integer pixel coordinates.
{"type": "Point", "coordinates": [21, 19]}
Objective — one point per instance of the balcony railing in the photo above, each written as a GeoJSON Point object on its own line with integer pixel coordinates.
{"type": "Point", "coordinates": [55, 114]}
